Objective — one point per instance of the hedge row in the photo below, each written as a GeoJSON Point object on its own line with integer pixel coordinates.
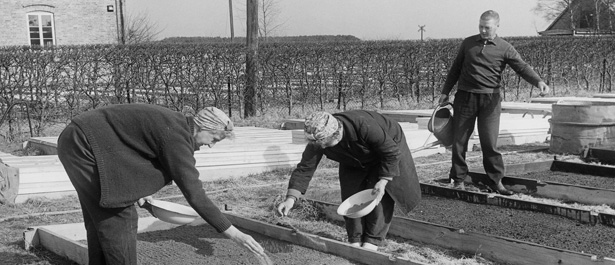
{"type": "Point", "coordinates": [64, 81]}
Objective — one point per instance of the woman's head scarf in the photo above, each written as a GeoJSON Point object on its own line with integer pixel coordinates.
{"type": "Point", "coordinates": [320, 126]}
{"type": "Point", "coordinates": [213, 119]}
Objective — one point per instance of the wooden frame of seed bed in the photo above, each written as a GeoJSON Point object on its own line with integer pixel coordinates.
{"type": "Point", "coordinates": [538, 188]}
{"type": "Point", "coordinates": [66, 240]}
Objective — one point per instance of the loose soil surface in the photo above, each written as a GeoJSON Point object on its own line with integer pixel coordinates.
{"type": "Point", "coordinates": [573, 179]}
{"type": "Point", "coordinates": [186, 245]}
{"type": "Point", "coordinates": [535, 227]}
{"type": "Point", "coordinates": [205, 246]}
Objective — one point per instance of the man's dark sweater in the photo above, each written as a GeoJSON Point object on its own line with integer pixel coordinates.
{"type": "Point", "coordinates": [479, 65]}
{"type": "Point", "coordinates": [139, 149]}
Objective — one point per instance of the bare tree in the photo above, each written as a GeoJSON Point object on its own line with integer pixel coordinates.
{"type": "Point", "coordinates": [269, 16]}
{"type": "Point", "coordinates": [140, 28]}
{"type": "Point", "coordinates": [269, 22]}
{"type": "Point", "coordinates": [551, 9]}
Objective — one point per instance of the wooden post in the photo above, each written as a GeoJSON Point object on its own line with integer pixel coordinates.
{"type": "Point", "coordinates": [251, 58]}
{"type": "Point", "coordinates": [122, 27]}
{"type": "Point", "coordinates": [230, 10]}
{"type": "Point", "coordinates": [230, 95]}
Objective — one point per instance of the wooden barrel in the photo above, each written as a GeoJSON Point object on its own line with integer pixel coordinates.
{"type": "Point", "coordinates": [576, 125]}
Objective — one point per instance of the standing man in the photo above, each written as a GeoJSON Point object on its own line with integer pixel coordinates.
{"type": "Point", "coordinates": [117, 155]}
{"type": "Point", "coordinates": [373, 154]}
{"type": "Point", "coordinates": [477, 71]}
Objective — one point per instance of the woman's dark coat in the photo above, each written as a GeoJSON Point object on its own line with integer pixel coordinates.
{"type": "Point", "coordinates": [369, 140]}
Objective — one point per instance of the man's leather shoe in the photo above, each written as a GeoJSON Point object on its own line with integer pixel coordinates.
{"type": "Point", "coordinates": [500, 189]}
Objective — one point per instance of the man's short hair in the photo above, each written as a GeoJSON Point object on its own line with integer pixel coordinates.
{"type": "Point", "coordinates": [490, 14]}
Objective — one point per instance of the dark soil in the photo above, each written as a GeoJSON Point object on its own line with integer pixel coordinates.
{"type": "Point", "coordinates": [535, 227]}
{"type": "Point", "coordinates": [573, 179]}
{"type": "Point", "coordinates": [201, 244]}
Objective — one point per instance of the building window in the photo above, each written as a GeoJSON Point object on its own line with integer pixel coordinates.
{"type": "Point", "coordinates": [40, 27]}
{"type": "Point", "coordinates": [587, 20]}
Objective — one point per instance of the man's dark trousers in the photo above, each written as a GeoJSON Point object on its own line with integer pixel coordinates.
{"type": "Point", "coordinates": [484, 108]}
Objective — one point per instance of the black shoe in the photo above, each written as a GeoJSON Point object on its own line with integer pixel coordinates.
{"type": "Point", "coordinates": [500, 189]}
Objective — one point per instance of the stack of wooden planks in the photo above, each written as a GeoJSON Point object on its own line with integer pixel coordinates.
{"type": "Point", "coordinates": [254, 150]}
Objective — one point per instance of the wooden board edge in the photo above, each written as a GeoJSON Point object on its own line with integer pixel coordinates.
{"type": "Point", "coordinates": [318, 243]}
{"type": "Point", "coordinates": [580, 215]}
{"type": "Point", "coordinates": [583, 168]}
{"type": "Point", "coordinates": [51, 238]}
{"type": "Point", "coordinates": [549, 189]}
{"type": "Point", "coordinates": [494, 248]}
{"type": "Point", "coordinates": [35, 237]}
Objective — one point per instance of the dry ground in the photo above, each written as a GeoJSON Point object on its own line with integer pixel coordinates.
{"type": "Point", "coordinates": [255, 196]}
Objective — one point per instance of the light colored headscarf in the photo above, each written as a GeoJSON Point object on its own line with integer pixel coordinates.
{"type": "Point", "coordinates": [320, 125]}
{"type": "Point", "coordinates": [213, 119]}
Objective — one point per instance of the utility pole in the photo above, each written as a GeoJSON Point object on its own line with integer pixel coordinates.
{"type": "Point", "coordinates": [421, 29]}
{"type": "Point", "coordinates": [119, 18]}
{"type": "Point", "coordinates": [251, 59]}
{"type": "Point", "coordinates": [230, 10]}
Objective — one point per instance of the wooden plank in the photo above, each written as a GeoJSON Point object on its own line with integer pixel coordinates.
{"type": "Point", "coordinates": [526, 108]}
{"type": "Point", "coordinates": [62, 246]}
{"type": "Point", "coordinates": [604, 95]}
{"type": "Point", "coordinates": [415, 138]}
{"type": "Point", "coordinates": [63, 239]}
{"type": "Point", "coordinates": [46, 172]}
{"type": "Point", "coordinates": [292, 124]}
{"type": "Point", "coordinates": [554, 190]}
{"type": "Point", "coordinates": [522, 168]}
{"type": "Point", "coordinates": [495, 248]}
{"type": "Point", "coordinates": [47, 195]}
{"type": "Point", "coordinates": [59, 181]}
{"type": "Point", "coordinates": [579, 215]}
{"type": "Point", "coordinates": [42, 186]}
{"type": "Point", "coordinates": [554, 100]}
{"type": "Point", "coordinates": [406, 115]}
{"type": "Point", "coordinates": [244, 135]}
{"type": "Point", "coordinates": [318, 243]}
{"type": "Point", "coordinates": [606, 156]}
{"type": "Point", "coordinates": [275, 154]}
{"type": "Point", "coordinates": [583, 168]}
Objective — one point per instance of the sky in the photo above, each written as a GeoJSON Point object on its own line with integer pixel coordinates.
{"type": "Point", "coordinates": [365, 19]}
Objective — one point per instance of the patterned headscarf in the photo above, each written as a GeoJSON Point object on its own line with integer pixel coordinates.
{"type": "Point", "coordinates": [213, 119]}
{"type": "Point", "coordinates": [320, 125]}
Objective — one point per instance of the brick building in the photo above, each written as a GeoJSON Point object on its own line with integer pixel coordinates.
{"type": "Point", "coordinates": [58, 22]}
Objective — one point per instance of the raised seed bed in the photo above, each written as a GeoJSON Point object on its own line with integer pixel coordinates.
{"type": "Point", "coordinates": [540, 179]}
{"type": "Point", "coordinates": [506, 236]}
{"type": "Point", "coordinates": [163, 243]}
{"type": "Point", "coordinates": [553, 183]}
{"type": "Point", "coordinates": [579, 215]}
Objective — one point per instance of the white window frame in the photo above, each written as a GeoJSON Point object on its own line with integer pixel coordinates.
{"type": "Point", "coordinates": [40, 28]}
